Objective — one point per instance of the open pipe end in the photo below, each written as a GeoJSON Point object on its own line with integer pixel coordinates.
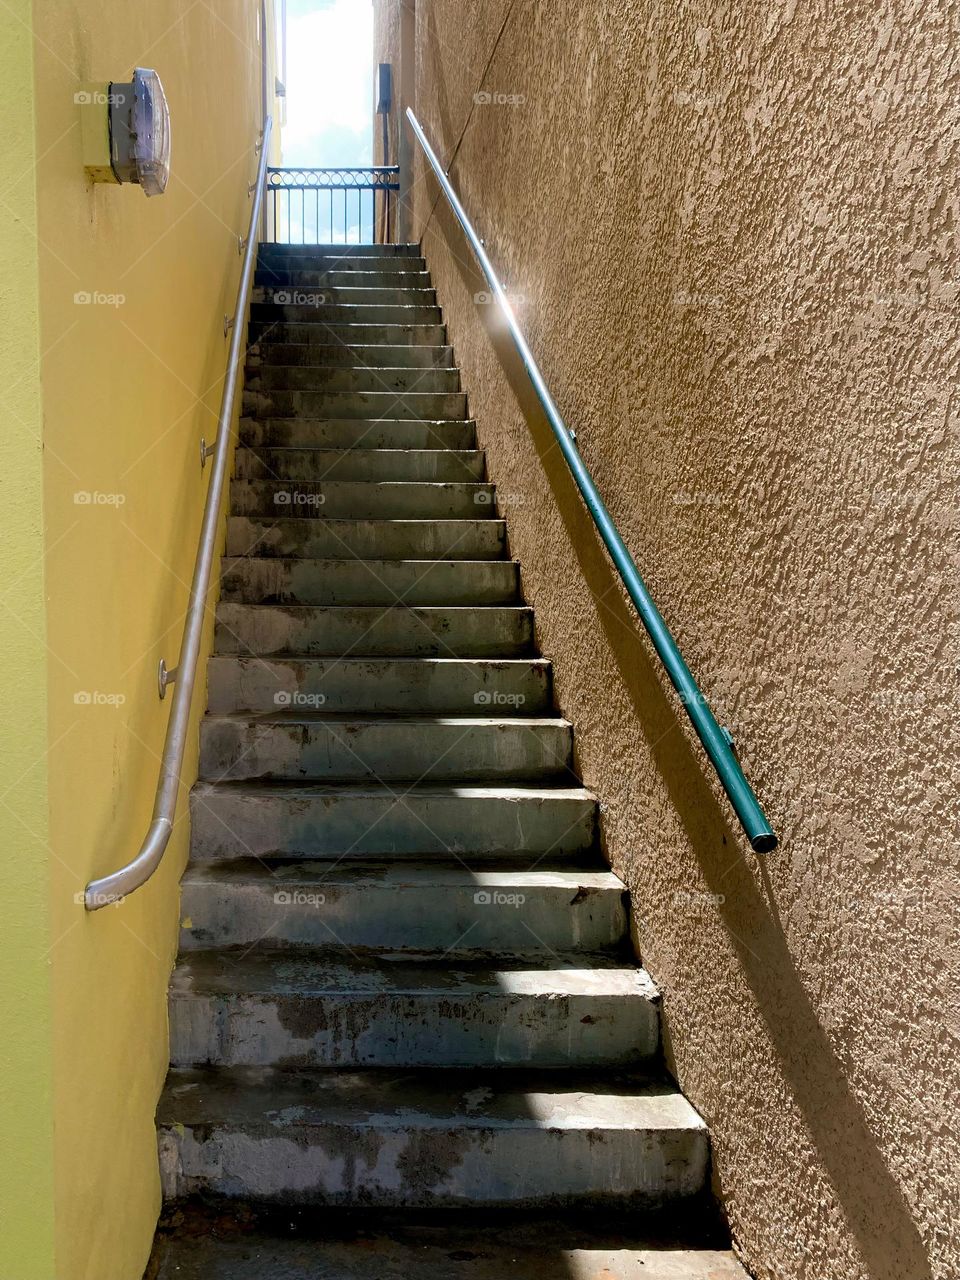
{"type": "Point", "coordinates": [765, 843]}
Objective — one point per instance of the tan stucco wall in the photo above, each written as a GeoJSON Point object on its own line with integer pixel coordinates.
{"type": "Point", "coordinates": [728, 236]}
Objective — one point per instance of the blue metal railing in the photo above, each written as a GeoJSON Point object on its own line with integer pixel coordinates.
{"type": "Point", "coordinates": [716, 741]}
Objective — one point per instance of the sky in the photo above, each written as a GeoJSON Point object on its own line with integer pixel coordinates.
{"type": "Point", "coordinates": [330, 76]}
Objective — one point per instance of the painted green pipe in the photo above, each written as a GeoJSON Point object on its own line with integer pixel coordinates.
{"type": "Point", "coordinates": [716, 741]}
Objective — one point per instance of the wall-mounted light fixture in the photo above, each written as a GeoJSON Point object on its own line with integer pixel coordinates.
{"type": "Point", "coordinates": [125, 127]}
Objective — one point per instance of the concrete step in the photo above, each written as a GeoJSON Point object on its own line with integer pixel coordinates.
{"type": "Point", "coordinates": [314, 333]}
{"type": "Point", "coordinates": [363, 633]}
{"type": "Point", "coordinates": [272, 580]}
{"type": "Point", "coordinates": [355, 404]}
{"type": "Point", "coordinates": [304, 257]}
{"type": "Point", "coordinates": [372, 355]}
{"type": "Point", "coordinates": [429, 1139]}
{"type": "Point", "coordinates": [411, 907]}
{"type": "Point", "coordinates": [256, 1008]}
{"type": "Point", "coordinates": [341, 278]}
{"type": "Point", "coordinates": [445, 686]}
{"type": "Point", "coordinates": [357, 433]}
{"type": "Point", "coordinates": [294, 264]}
{"type": "Point", "coordinates": [359, 500]}
{"type": "Point", "coordinates": [200, 1242]}
{"type": "Point", "coordinates": [355, 294]}
{"type": "Point", "coordinates": [342, 313]}
{"type": "Point", "coordinates": [366, 539]}
{"type": "Point", "coordinates": [299, 747]}
{"type": "Point", "coordinates": [232, 820]}
{"type": "Point", "coordinates": [443, 465]}
{"type": "Point", "coordinates": [277, 250]}
{"type": "Point", "coordinates": [297, 377]}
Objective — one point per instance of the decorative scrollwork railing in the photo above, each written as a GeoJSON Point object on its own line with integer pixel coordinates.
{"type": "Point", "coordinates": [317, 206]}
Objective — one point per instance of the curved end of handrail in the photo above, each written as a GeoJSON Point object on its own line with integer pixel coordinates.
{"type": "Point", "coordinates": [110, 889]}
{"type": "Point", "coordinates": [766, 842]}
{"type": "Point", "coordinates": [113, 888]}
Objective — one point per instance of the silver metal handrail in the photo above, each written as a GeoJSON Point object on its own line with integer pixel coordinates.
{"type": "Point", "coordinates": [117, 885]}
{"type": "Point", "coordinates": [717, 742]}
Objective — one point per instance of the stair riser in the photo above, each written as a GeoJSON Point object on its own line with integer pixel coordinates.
{"type": "Point", "coordinates": [297, 268]}
{"type": "Point", "coordinates": [344, 499]}
{"type": "Point", "coordinates": [344, 313]}
{"type": "Point", "coordinates": [442, 1167]}
{"type": "Point", "coordinates": [370, 582]}
{"type": "Point", "coordinates": [358, 378]}
{"type": "Point", "coordinates": [265, 355]}
{"type": "Point", "coordinates": [368, 539]}
{"type": "Point", "coordinates": [270, 278]}
{"type": "Point", "coordinates": [272, 330]}
{"type": "Point", "coordinates": [356, 433]}
{"type": "Point", "coordinates": [464, 633]}
{"type": "Point", "coordinates": [355, 404]}
{"type": "Point", "coordinates": [378, 686]}
{"type": "Point", "coordinates": [429, 1030]}
{"type": "Point", "coordinates": [357, 294]}
{"type": "Point", "coordinates": [228, 824]}
{"type": "Point", "coordinates": [482, 917]}
{"type": "Point", "coordinates": [317, 465]}
{"type": "Point", "coordinates": [281, 251]}
{"type": "Point", "coordinates": [237, 751]}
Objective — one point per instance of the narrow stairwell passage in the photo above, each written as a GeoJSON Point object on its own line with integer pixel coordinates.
{"type": "Point", "coordinates": [405, 979]}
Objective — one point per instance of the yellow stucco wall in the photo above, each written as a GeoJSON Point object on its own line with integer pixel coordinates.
{"type": "Point", "coordinates": [26, 1069]}
{"type": "Point", "coordinates": [129, 294]}
{"type": "Point", "coordinates": [729, 235]}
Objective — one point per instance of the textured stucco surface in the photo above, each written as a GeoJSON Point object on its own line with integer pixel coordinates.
{"type": "Point", "coordinates": [728, 232]}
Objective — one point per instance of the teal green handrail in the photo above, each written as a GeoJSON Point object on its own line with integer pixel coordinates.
{"type": "Point", "coordinates": [716, 741]}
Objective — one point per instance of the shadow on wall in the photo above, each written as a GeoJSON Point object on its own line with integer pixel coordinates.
{"type": "Point", "coordinates": [878, 1216]}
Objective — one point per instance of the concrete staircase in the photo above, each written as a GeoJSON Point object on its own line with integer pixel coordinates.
{"type": "Point", "coordinates": [405, 979]}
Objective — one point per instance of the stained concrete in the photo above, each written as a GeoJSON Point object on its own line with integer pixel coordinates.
{"type": "Point", "coordinates": [380, 685]}
{"type": "Point", "coordinates": [346, 581]}
{"type": "Point", "coordinates": [358, 433]}
{"type": "Point", "coordinates": [405, 978]}
{"type": "Point", "coordinates": [428, 1139]}
{"type": "Point", "coordinates": [401, 631]}
{"type": "Point", "coordinates": [232, 820]}
{"type": "Point", "coordinates": [404, 908]}
{"type": "Point", "coordinates": [359, 464]}
{"type": "Point", "coordinates": [317, 747]}
{"type": "Point", "coordinates": [338, 499]}
{"type": "Point", "coordinates": [240, 1242]}
{"type": "Point", "coordinates": [269, 1008]}
{"type": "Point", "coordinates": [364, 539]}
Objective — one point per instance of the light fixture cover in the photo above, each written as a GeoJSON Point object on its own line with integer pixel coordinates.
{"type": "Point", "coordinates": [140, 132]}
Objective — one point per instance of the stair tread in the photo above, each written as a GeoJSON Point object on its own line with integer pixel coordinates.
{"type": "Point", "coordinates": [376, 484]}
{"type": "Point", "coordinates": [368, 874]}
{"type": "Point", "coordinates": [382, 662]}
{"type": "Point", "coordinates": [355, 790]}
{"type": "Point", "coordinates": [323, 449]}
{"type": "Point", "coordinates": [255, 1098]}
{"type": "Point", "coordinates": [401, 560]}
{"type": "Point", "coordinates": [333, 975]}
{"type": "Point", "coordinates": [516, 607]}
{"type": "Point", "coordinates": [216, 1244]}
{"type": "Point", "coordinates": [344, 719]}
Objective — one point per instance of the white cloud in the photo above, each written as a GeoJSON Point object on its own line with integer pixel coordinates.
{"type": "Point", "coordinates": [329, 82]}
